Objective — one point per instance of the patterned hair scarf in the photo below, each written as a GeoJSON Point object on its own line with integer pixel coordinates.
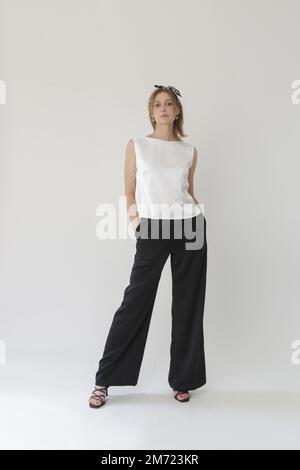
{"type": "Point", "coordinates": [177, 92]}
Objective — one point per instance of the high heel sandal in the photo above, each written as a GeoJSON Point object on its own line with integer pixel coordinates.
{"type": "Point", "coordinates": [180, 392]}
{"type": "Point", "coordinates": [100, 398]}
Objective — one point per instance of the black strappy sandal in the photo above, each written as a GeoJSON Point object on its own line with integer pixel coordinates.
{"type": "Point", "coordinates": [100, 398]}
{"type": "Point", "coordinates": [178, 393]}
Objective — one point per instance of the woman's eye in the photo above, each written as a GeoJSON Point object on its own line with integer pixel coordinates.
{"type": "Point", "coordinates": [158, 104]}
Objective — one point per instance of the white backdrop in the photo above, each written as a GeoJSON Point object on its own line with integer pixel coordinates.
{"type": "Point", "coordinates": [78, 75]}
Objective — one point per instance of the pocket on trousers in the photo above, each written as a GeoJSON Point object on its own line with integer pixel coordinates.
{"type": "Point", "coordinates": [137, 229]}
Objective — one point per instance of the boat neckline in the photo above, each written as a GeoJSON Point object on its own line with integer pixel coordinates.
{"type": "Point", "coordinates": [162, 140]}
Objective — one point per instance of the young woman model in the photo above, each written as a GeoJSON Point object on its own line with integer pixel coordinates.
{"type": "Point", "coordinates": [159, 172]}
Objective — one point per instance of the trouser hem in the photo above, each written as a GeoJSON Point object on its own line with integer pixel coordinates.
{"type": "Point", "coordinates": [107, 383]}
{"type": "Point", "coordinates": [188, 387]}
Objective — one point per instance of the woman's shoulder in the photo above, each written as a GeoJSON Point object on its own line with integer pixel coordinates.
{"type": "Point", "coordinates": [188, 145]}
{"type": "Point", "coordinates": [134, 139]}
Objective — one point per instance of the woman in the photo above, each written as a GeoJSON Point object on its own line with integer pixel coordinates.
{"type": "Point", "coordinates": [159, 172]}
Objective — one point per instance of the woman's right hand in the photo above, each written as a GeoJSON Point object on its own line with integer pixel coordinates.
{"type": "Point", "coordinates": [135, 223]}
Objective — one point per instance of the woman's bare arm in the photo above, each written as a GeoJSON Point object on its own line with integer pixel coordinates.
{"type": "Point", "coordinates": [130, 183]}
{"type": "Point", "coordinates": [191, 176]}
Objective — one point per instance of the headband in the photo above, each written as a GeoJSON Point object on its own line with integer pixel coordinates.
{"type": "Point", "coordinates": [177, 92]}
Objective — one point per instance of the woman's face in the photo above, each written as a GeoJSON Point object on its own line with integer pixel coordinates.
{"type": "Point", "coordinates": [164, 108]}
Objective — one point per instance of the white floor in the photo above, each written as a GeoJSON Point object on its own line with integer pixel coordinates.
{"type": "Point", "coordinates": [44, 405]}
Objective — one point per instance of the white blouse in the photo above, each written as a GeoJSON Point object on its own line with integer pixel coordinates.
{"type": "Point", "coordinates": [162, 168]}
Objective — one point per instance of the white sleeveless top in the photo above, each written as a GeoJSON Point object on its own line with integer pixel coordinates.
{"type": "Point", "coordinates": [162, 168]}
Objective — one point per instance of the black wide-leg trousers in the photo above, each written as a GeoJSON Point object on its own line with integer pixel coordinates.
{"type": "Point", "coordinates": [185, 241]}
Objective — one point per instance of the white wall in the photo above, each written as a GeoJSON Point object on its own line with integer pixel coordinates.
{"type": "Point", "coordinates": [78, 75]}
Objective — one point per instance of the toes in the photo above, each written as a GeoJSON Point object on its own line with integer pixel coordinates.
{"type": "Point", "coordinates": [182, 395]}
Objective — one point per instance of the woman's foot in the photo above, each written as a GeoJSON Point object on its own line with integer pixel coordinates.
{"type": "Point", "coordinates": [181, 396]}
{"type": "Point", "coordinates": [98, 397]}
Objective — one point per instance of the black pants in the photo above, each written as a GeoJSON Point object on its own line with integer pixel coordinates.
{"type": "Point", "coordinates": [125, 344]}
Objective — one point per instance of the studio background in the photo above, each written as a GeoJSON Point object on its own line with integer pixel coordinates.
{"type": "Point", "coordinates": [78, 75]}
